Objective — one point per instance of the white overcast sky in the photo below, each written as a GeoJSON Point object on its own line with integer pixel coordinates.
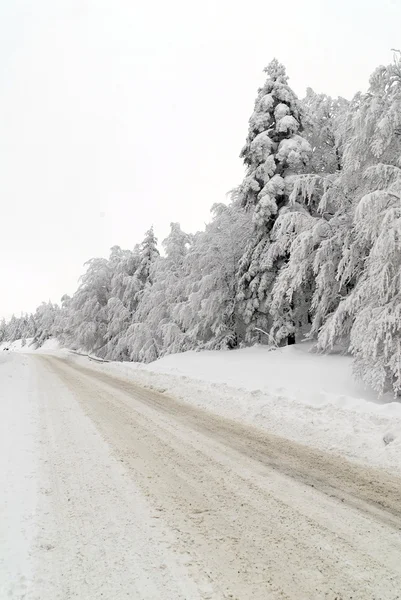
{"type": "Point", "coordinates": [119, 114]}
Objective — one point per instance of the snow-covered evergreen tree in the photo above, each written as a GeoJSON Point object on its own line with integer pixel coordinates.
{"type": "Point", "coordinates": [3, 330]}
{"type": "Point", "coordinates": [137, 268]}
{"type": "Point", "coordinates": [45, 317]}
{"type": "Point", "coordinates": [157, 310]}
{"type": "Point", "coordinates": [306, 289]}
{"type": "Point", "coordinates": [367, 319]}
{"type": "Point", "coordinates": [275, 151]}
{"type": "Point", "coordinates": [324, 122]}
{"type": "Point", "coordinates": [376, 299]}
{"type": "Point", "coordinates": [63, 324]}
{"type": "Point", "coordinates": [137, 286]}
{"type": "Point", "coordinates": [123, 264]}
{"type": "Point", "coordinates": [88, 308]}
{"type": "Point", "coordinates": [168, 292]}
{"type": "Point", "coordinates": [154, 332]}
{"type": "Point", "coordinates": [13, 331]}
{"type": "Point", "coordinates": [148, 254]}
{"type": "Point", "coordinates": [211, 315]}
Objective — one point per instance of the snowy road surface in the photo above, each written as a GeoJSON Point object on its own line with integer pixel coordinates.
{"type": "Point", "coordinates": [112, 491]}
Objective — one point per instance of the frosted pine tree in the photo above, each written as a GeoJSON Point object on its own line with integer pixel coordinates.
{"type": "Point", "coordinates": [62, 327]}
{"type": "Point", "coordinates": [88, 309]}
{"type": "Point", "coordinates": [324, 120]}
{"type": "Point", "coordinates": [274, 152]}
{"type": "Point", "coordinates": [148, 254]}
{"type": "Point", "coordinates": [302, 238]}
{"type": "Point", "coordinates": [130, 275]}
{"type": "Point", "coordinates": [45, 316]}
{"type": "Point", "coordinates": [32, 326]}
{"type": "Point", "coordinates": [367, 319]}
{"type": "Point", "coordinates": [376, 299]}
{"type": "Point", "coordinates": [142, 279]}
{"type": "Point", "coordinates": [118, 311]}
{"type": "Point", "coordinates": [305, 237]}
{"type": "Point", "coordinates": [211, 314]}
{"type": "Point", "coordinates": [24, 325]}
{"type": "Point", "coordinates": [13, 329]}
{"type": "Point", "coordinates": [125, 285]}
{"type": "Point", "coordinates": [170, 290]}
{"type": "Point", "coordinates": [312, 234]}
{"type": "Point", "coordinates": [157, 330]}
{"type": "Point", "coordinates": [138, 285]}
{"type": "Point", "coordinates": [3, 330]}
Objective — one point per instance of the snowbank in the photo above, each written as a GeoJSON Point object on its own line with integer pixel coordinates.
{"type": "Point", "coordinates": [306, 397]}
{"type": "Point", "coordinates": [312, 377]}
{"type": "Point", "coordinates": [49, 345]}
{"type": "Point", "coordinates": [17, 346]}
{"type": "Point", "coordinates": [291, 392]}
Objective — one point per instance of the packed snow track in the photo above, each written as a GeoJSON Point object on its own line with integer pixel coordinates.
{"type": "Point", "coordinates": [140, 496]}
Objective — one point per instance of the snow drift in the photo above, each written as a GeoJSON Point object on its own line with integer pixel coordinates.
{"type": "Point", "coordinates": [306, 397]}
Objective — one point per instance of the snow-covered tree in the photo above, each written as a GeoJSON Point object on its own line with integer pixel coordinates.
{"type": "Point", "coordinates": [137, 267]}
{"type": "Point", "coordinates": [376, 299]}
{"type": "Point", "coordinates": [88, 307]}
{"type": "Point", "coordinates": [275, 151]}
{"type": "Point", "coordinates": [3, 330]}
{"type": "Point", "coordinates": [13, 331]}
{"type": "Point", "coordinates": [62, 327]}
{"type": "Point", "coordinates": [366, 319]}
{"type": "Point", "coordinates": [211, 315]}
{"type": "Point", "coordinates": [369, 317]}
{"type": "Point", "coordinates": [148, 254]}
{"type": "Point", "coordinates": [136, 282]}
{"type": "Point", "coordinates": [45, 317]}
{"type": "Point", "coordinates": [155, 332]}
{"type": "Point", "coordinates": [324, 127]}
{"type": "Point", "coordinates": [307, 289]}
{"type": "Point", "coordinates": [31, 327]}
{"type": "Point", "coordinates": [121, 303]}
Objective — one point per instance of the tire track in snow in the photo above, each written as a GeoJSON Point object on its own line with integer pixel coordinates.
{"type": "Point", "coordinates": [262, 517]}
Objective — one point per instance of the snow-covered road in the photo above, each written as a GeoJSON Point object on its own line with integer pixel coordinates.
{"type": "Point", "coordinates": [111, 491]}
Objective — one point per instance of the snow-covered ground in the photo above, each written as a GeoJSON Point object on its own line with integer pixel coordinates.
{"type": "Point", "coordinates": [292, 392]}
{"type": "Point", "coordinates": [28, 346]}
{"type": "Point", "coordinates": [110, 490]}
{"type": "Point", "coordinates": [18, 474]}
{"type": "Point", "coordinates": [71, 523]}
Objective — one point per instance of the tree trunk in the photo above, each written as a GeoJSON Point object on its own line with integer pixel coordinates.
{"type": "Point", "coordinates": [291, 339]}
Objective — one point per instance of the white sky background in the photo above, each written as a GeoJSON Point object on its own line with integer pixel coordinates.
{"type": "Point", "coordinates": [119, 114]}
